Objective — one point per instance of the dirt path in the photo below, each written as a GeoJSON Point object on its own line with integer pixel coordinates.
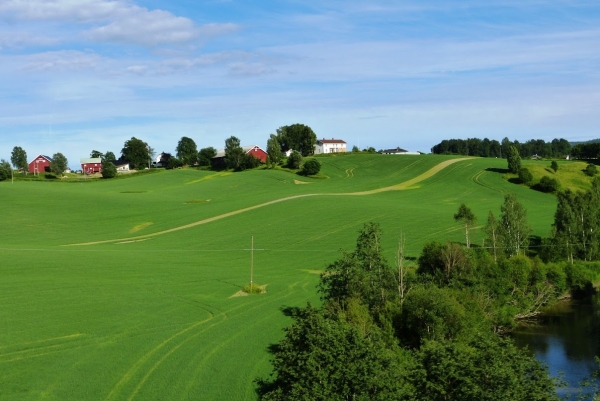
{"type": "Point", "coordinates": [404, 185]}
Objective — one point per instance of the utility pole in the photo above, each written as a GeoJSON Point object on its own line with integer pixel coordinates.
{"type": "Point", "coordinates": [251, 263]}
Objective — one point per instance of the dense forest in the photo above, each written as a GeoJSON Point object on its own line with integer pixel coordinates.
{"type": "Point", "coordinates": [436, 331]}
{"type": "Point", "coordinates": [492, 148]}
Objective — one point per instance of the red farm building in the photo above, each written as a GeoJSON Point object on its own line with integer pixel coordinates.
{"type": "Point", "coordinates": [91, 165]}
{"type": "Point", "coordinates": [41, 164]}
{"type": "Point", "coordinates": [219, 160]}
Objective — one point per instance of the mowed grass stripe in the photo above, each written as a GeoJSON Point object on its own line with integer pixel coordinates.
{"type": "Point", "coordinates": [431, 172]}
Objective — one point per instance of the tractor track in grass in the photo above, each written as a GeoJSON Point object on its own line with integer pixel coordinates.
{"type": "Point", "coordinates": [398, 187]}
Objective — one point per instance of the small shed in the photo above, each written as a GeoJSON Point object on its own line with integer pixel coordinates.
{"type": "Point", "coordinates": [40, 164]}
{"type": "Point", "coordinates": [91, 165]}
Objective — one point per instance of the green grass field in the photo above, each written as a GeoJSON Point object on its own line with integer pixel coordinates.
{"type": "Point", "coordinates": [146, 310]}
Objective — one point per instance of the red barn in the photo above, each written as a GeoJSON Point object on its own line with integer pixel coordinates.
{"type": "Point", "coordinates": [91, 165]}
{"type": "Point", "coordinates": [40, 164]}
{"type": "Point", "coordinates": [219, 160]}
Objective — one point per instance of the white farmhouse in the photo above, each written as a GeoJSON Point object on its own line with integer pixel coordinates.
{"type": "Point", "coordinates": [329, 146]}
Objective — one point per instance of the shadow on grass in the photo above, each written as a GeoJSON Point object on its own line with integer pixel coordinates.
{"type": "Point", "coordinates": [497, 170]}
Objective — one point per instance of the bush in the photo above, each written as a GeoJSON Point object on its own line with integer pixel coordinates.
{"type": "Point", "coordinates": [5, 170]}
{"type": "Point", "coordinates": [254, 289]}
{"type": "Point", "coordinates": [174, 163]}
{"type": "Point", "coordinates": [294, 160]}
{"type": "Point", "coordinates": [525, 176]}
{"type": "Point", "coordinates": [109, 170]}
{"type": "Point", "coordinates": [554, 166]}
{"type": "Point", "coordinates": [548, 184]}
{"type": "Point", "coordinates": [590, 170]}
{"type": "Point", "coordinates": [311, 167]}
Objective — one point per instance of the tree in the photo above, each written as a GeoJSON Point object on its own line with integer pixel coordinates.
{"type": "Point", "coordinates": [492, 231]}
{"type": "Point", "coordinates": [59, 163]}
{"type": "Point", "coordinates": [466, 216]}
{"type": "Point", "coordinates": [328, 359]}
{"type": "Point", "coordinates": [294, 160]}
{"type": "Point", "coordinates": [187, 151]}
{"type": "Point", "coordinates": [234, 154]}
{"type": "Point", "coordinates": [311, 167]}
{"type": "Point", "coordinates": [554, 165]}
{"type": "Point", "coordinates": [274, 150]}
{"type": "Point", "coordinates": [298, 137]}
{"type": "Point", "coordinates": [525, 176]}
{"type": "Point", "coordinates": [514, 160]}
{"type": "Point", "coordinates": [5, 170]}
{"type": "Point", "coordinates": [109, 170]}
{"type": "Point", "coordinates": [109, 156]}
{"type": "Point", "coordinates": [174, 162]}
{"type": "Point", "coordinates": [548, 184]}
{"type": "Point", "coordinates": [18, 158]}
{"type": "Point", "coordinates": [137, 152]}
{"type": "Point", "coordinates": [355, 149]}
{"type": "Point", "coordinates": [205, 155]}
{"type": "Point", "coordinates": [95, 154]}
{"type": "Point", "coordinates": [514, 228]}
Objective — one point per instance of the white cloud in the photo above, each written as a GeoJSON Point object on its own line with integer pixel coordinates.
{"type": "Point", "coordinates": [22, 39]}
{"type": "Point", "coordinates": [119, 21]}
{"type": "Point", "coordinates": [63, 60]}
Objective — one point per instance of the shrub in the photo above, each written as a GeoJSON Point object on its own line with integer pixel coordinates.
{"type": "Point", "coordinates": [590, 170]}
{"type": "Point", "coordinates": [294, 160]}
{"type": "Point", "coordinates": [525, 176]}
{"type": "Point", "coordinates": [109, 170]}
{"type": "Point", "coordinates": [554, 166]}
{"type": "Point", "coordinates": [548, 184]}
{"type": "Point", "coordinates": [254, 289]}
{"type": "Point", "coordinates": [174, 163]}
{"type": "Point", "coordinates": [5, 170]}
{"type": "Point", "coordinates": [311, 167]}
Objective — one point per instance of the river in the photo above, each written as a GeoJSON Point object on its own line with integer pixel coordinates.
{"type": "Point", "coordinates": [566, 338]}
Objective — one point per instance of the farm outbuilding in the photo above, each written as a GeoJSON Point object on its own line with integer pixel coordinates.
{"type": "Point", "coordinates": [91, 165]}
{"type": "Point", "coordinates": [218, 161]}
{"type": "Point", "coordinates": [40, 164]}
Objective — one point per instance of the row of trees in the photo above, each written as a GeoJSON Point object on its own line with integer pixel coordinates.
{"type": "Point", "coordinates": [492, 148]}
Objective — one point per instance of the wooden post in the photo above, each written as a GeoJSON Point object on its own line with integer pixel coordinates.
{"type": "Point", "coordinates": [251, 263]}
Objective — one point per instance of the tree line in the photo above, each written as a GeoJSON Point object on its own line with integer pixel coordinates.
{"type": "Point", "coordinates": [433, 331]}
{"type": "Point", "coordinates": [492, 148]}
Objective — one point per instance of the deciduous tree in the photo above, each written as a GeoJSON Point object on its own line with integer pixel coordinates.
{"type": "Point", "coordinates": [234, 154]}
{"type": "Point", "coordinates": [514, 228]}
{"type": "Point", "coordinates": [187, 151]}
{"type": "Point", "coordinates": [109, 170]}
{"type": "Point", "coordinates": [205, 156]}
{"type": "Point", "coordinates": [59, 163]}
{"type": "Point", "coordinates": [274, 150]}
{"type": "Point", "coordinates": [294, 160]}
{"type": "Point", "coordinates": [298, 137]}
{"type": "Point", "coordinates": [18, 158]}
{"type": "Point", "coordinates": [466, 216]}
{"type": "Point", "coordinates": [110, 156]}
{"type": "Point", "coordinates": [137, 152]}
{"type": "Point", "coordinates": [5, 170]}
{"type": "Point", "coordinates": [95, 154]}
{"type": "Point", "coordinates": [514, 160]}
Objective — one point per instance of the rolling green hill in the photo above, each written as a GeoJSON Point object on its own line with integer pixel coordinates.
{"type": "Point", "coordinates": [126, 289]}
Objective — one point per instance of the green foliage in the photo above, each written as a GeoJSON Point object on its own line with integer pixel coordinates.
{"type": "Point", "coordinates": [514, 229]}
{"type": "Point", "coordinates": [137, 152]}
{"type": "Point", "coordinates": [484, 368]}
{"type": "Point", "coordinates": [525, 176]}
{"type": "Point", "coordinates": [274, 150]}
{"type": "Point", "coordinates": [234, 154]}
{"type": "Point", "coordinates": [18, 158]}
{"type": "Point", "coordinates": [109, 170]}
{"type": "Point", "coordinates": [205, 155]}
{"type": "Point", "coordinates": [294, 160]}
{"type": "Point", "coordinates": [328, 359]}
{"type": "Point", "coordinates": [311, 167]}
{"type": "Point", "coordinates": [466, 216]}
{"type": "Point", "coordinates": [298, 137]}
{"type": "Point", "coordinates": [174, 162]}
{"type": "Point", "coordinates": [514, 160]}
{"type": "Point", "coordinates": [96, 154]}
{"type": "Point", "coordinates": [554, 166]}
{"type": "Point", "coordinates": [5, 170]}
{"type": "Point", "coordinates": [109, 156]}
{"type": "Point", "coordinates": [187, 151]}
{"type": "Point", "coordinates": [254, 289]}
{"type": "Point", "coordinates": [59, 163]}
{"type": "Point", "coordinates": [355, 149]}
{"type": "Point", "coordinates": [591, 170]}
{"type": "Point", "coordinates": [548, 184]}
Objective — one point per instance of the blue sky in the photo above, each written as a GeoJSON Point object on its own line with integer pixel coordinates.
{"type": "Point", "coordinates": [78, 75]}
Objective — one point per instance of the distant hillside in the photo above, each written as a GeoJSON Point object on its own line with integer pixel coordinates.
{"type": "Point", "coordinates": [585, 142]}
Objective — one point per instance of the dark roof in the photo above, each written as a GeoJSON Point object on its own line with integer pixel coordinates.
{"type": "Point", "coordinates": [45, 157]}
{"type": "Point", "coordinates": [120, 162]}
{"type": "Point", "coordinates": [330, 140]}
{"type": "Point", "coordinates": [397, 150]}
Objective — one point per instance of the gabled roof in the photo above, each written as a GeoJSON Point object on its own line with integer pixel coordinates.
{"type": "Point", "coordinates": [246, 149]}
{"type": "Point", "coordinates": [397, 150]}
{"type": "Point", "coordinates": [330, 140]}
{"type": "Point", "coordinates": [38, 156]}
{"type": "Point", "coordinates": [120, 162]}
{"type": "Point", "coordinates": [90, 160]}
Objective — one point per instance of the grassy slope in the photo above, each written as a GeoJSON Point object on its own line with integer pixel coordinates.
{"type": "Point", "coordinates": [154, 320]}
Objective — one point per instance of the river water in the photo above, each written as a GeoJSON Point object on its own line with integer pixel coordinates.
{"type": "Point", "coordinates": [567, 339]}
